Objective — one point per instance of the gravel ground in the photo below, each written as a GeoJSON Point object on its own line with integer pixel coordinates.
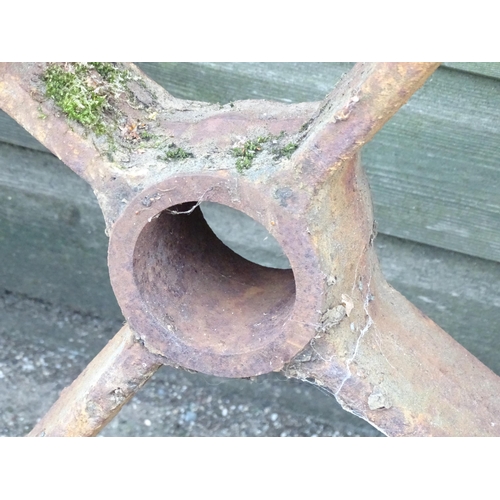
{"type": "Point", "coordinates": [44, 347]}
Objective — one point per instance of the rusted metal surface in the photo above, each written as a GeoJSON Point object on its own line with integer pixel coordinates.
{"type": "Point", "coordinates": [381, 357]}
{"type": "Point", "coordinates": [332, 319]}
{"type": "Point", "coordinates": [98, 394]}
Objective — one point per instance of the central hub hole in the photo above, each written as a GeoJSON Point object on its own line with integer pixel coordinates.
{"type": "Point", "coordinates": [203, 292]}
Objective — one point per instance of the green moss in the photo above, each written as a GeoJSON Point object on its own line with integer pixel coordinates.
{"type": "Point", "coordinates": [243, 164]}
{"type": "Point", "coordinates": [147, 136]}
{"type": "Point", "coordinates": [287, 150]}
{"type": "Point", "coordinates": [175, 153]}
{"type": "Point", "coordinates": [247, 153]}
{"type": "Point", "coordinates": [83, 90]}
{"type": "Point", "coordinates": [109, 73]}
{"type": "Point", "coordinates": [41, 114]}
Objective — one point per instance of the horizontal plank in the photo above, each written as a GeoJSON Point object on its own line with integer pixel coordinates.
{"type": "Point", "coordinates": [433, 168]}
{"type": "Point", "coordinates": [52, 241]}
{"type": "Point", "coordinates": [491, 69]}
{"type": "Point", "coordinates": [53, 247]}
{"type": "Point", "coordinates": [226, 82]}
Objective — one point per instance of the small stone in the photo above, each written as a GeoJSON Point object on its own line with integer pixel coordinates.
{"type": "Point", "coordinates": [377, 400]}
{"type": "Point", "coordinates": [331, 280]}
{"type": "Point", "coordinates": [190, 416]}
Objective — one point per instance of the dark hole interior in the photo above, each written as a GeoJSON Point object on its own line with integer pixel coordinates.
{"type": "Point", "coordinates": [203, 292]}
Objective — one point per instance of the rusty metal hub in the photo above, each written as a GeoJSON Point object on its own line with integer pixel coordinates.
{"type": "Point", "coordinates": [194, 300]}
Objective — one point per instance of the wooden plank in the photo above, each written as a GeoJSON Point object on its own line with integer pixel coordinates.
{"type": "Point", "coordinates": [52, 241]}
{"type": "Point", "coordinates": [433, 168]}
{"type": "Point", "coordinates": [226, 82]}
{"type": "Point", "coordinates": [491, 69]}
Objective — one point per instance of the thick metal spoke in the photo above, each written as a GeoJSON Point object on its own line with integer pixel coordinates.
{"type": "Point", "coordinates": [359, 105]}
{"type": "Point", "coordinates": [98, 394]}
{"type": "Point", "coordinates": [394, 367]}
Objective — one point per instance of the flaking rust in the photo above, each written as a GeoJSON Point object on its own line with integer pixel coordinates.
{"type": "Point", "coordinates": [331, 318]}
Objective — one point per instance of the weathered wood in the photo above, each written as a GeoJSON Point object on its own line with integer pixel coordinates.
{"type": "Point", "coordinates": [226, 82]}
{"type": "Point", "coordinates": [433, 169]}
{"type": "Point", "coordinates": [491, 69]}
{"type": "Point", "coordinates": [52, 241]}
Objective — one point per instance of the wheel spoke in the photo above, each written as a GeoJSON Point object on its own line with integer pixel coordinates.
{"type": "Point", "coordinates": [399, 371]}
{"type": "Point", "coordinates": [360, 104]}
{"type": "Point", "coordinates": [101, 390]}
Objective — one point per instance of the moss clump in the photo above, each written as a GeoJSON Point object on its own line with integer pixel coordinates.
{"type": "Point", "coordinates": [109, 73]}
{"type": "Point", "coordinates": [82, 90]}
{"type": "Point", "coordinates": [287, 150]}
{"type": "Point", "coordinates": [243, 164]}
{"type": "Point", "coordinates": [147, 136]}
{"type": "Point", "coordinates": [247, 153]}
{"type": "Point", "coordinates": [41, 114]}
{"type": "Point", "coordinates": [175, 153]}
